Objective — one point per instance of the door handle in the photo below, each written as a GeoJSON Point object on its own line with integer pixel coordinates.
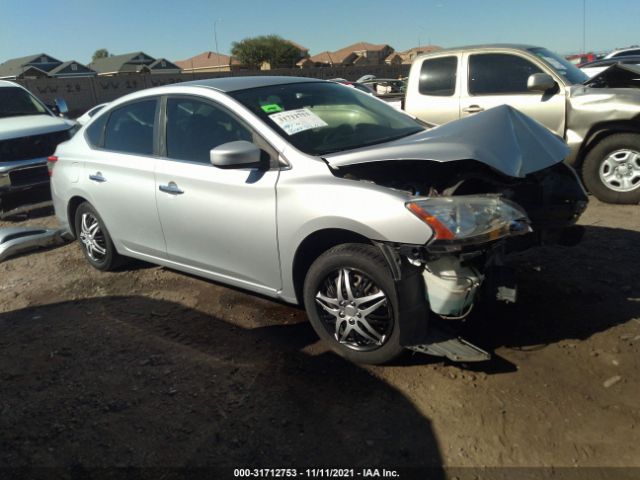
{"type": "Point", "coordinates": [171, 188]}
{"type": "Point", "coordinates": [473, 109]}
{"type": "Point", "coordinates": [97, 177]}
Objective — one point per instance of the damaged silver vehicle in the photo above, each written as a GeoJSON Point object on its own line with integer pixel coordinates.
{"type": "Point", "coordinates": [320, 195]}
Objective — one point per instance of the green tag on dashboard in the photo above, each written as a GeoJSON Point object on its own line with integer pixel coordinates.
{"type": "Point", "coordinates": [271, 108]}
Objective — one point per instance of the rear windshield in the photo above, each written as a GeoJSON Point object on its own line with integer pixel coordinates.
{"type": "Point", "coordinates": [15, 101]}
{"type": "Point", "coordinates": [572, 74]}
{"type": "Point", "coordinates": [319, 118]}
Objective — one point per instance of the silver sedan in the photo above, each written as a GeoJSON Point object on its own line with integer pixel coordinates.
{"type": "Point", "coordinates": [314, 193]}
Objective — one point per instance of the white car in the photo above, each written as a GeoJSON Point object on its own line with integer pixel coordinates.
{"type": "Point", "coordinates": [29, 133]}
{"type": "Point", "coordinates": [594, 68]}
{"type": "Point", "coordinates": [623, 52]}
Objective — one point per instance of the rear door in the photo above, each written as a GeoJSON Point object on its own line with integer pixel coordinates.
{"type": "Point", "coordinates": [119, 176]}
{"type": "Point", "coordinates": [433, 92]}
{"type": "Point", "coordinates": [218, 222]}
{"type": "Point", "coordinates": [500, 78]}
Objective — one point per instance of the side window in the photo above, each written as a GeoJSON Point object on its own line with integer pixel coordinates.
{"type": "Point", "coordinates": [130, 128]}
{"type": "Point", "coordinates": [499, 73]}
{"type": "Point", "coordinates": [95, 130]}
{"type": "Point", "coordinates": [438, 76]}
{"type": "Point", "coordinates": [194, 127]}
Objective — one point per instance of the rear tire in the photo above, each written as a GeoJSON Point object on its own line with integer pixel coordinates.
{"type": "Point", "coordinates": [94, 239]}
{"type": "Point", "coordinates": [351, 301]}
{"type": "Point", "coordinates": [611, 170]}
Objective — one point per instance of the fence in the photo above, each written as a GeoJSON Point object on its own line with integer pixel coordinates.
{"type": "Point", "coordinates": [83, 93]}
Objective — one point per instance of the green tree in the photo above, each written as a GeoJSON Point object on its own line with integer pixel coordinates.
{"type": "Point", "coordinates": [265, 48]}
{"type": "Point", "coordinates": [100, 53]}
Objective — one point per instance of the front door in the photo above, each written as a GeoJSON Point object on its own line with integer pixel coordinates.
{"type": "Point", "coordinates": [501, 79]}
{"type": "Point", "coordinates": [217, 222]}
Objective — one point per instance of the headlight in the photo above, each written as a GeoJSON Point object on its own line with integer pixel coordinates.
{"type": "Point", "coordinates": [470, 219]}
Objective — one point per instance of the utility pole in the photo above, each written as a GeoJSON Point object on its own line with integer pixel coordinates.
{"type": "Point", "coordinates": [215, 39]}
{"type": "Point", "coordinates": [584, 26]}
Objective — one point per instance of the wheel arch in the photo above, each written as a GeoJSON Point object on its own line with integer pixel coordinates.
{"type": "Point", "coordinates": [314, 245]}
{"type": "Point", "coordinates": [72, 207]}
{"type": "Point", "coordinates": [602, 130]}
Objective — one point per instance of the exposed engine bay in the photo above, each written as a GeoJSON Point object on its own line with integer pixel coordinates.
{"type": "Point", "coordinates": [552, 198]}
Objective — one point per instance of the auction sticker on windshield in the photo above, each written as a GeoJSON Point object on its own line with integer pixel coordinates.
{"type": "Point", "coordinates": [296, 121]}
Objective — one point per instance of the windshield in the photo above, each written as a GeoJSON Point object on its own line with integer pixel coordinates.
{"type": "Point", "coordinates": [572, 74]}
{"type": "Point", "coordinates": [322, 118]}
{"type": "Point", "coordinates": [15, 101]}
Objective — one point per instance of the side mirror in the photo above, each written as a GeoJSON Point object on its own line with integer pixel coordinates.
{"type": "Point", "coordinates": [540, 82]}
{"type": "Point", "coordinates": [60, 107]}
{"type": "Point", "coordinates": [238, 154]}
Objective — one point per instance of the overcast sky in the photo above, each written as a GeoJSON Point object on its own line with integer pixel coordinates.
{"type": "Point", "coordinates": [178, 29]}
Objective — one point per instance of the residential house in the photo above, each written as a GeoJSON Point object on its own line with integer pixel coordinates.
{"type": "Point", "coordinates": [361, 53]}
{"type": "Point", "coordinates": [41, 66]}
{"type": "Point", "coordinates": [209, 62]}
{"type": "Point", "coordinates": [136, 62]}
{"type": "Point", "coordinates": [32, 66]}
{"type": "Point", "coordinates": [162, 65]}
{"type": "Point", "coordinates": [408, 56]}
{"type": "Point", "coordinates": [71, 69]}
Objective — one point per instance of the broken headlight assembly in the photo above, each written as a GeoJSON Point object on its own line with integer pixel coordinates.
{"type": "Point", "coordinates": [469, 220]}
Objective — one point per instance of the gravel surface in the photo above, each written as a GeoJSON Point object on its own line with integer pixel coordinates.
{"type": "Point", "coordinates": [150, 367]}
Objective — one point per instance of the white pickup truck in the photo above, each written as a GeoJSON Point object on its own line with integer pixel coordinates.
{"type": "Point", "coordinates": [599, 118]}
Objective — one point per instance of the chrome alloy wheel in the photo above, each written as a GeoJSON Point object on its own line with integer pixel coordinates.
{"type": "Point", "coordinates": [620, 170]}
{"type": "Point", "coordinates": [355, 310]}
{"type": "Point", "coordinates": [92, 237]}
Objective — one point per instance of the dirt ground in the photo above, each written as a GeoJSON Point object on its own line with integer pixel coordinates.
{"type": "Point", "coordinates": [150, 367]}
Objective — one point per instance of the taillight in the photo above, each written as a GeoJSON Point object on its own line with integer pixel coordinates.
{"type": "Point", "coordinates": [50, 162]}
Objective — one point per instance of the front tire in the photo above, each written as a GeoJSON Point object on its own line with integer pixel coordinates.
{"type": "Point", "coordinates": [611, 170]}
{"type": "Point", "coordinates": [350, 298]}
{"type": "Point", "coordinates": [94, 239]}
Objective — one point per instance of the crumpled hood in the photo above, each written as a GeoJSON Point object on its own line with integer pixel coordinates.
{"type": "Point", "coordinates": [27, 125]}
{"type": "Point", "coordinates": [501, 137]}
{"type": "Point", "coordinates": [616, 76]}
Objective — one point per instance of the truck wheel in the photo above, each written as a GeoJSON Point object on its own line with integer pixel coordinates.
{"type": "Point", "coordinates": [611, 170]}
{"type": "Point", "coordinates": [351, 301]}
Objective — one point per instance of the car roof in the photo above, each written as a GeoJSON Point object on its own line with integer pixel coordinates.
{"type": "Point", "coordinates": [515, 46]}
{"type": "Point", "coordinates": [621, 50]}
{"type": "Point", "coordinates": [612, 61]}
{"type": "Point", "coordinates": [233, 84]}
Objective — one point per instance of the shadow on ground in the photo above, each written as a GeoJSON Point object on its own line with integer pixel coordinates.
{"type": "Point", "coordinates": [132, 381]}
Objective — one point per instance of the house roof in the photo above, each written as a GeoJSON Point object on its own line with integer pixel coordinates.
{"type": "Point", "coordinates": [207, 60]}
{"type": "Point", "coordinates": [168, 64]}
{"type": "Point", "coordinates": [64, 65]}
{"type": "Point", "coordinates": [15, 66]}
{"type": "Point", "coordinates": [322, 57]}
{"type": "Point", "coordinates": [116, 63]}
{"type": "Point", "coordinates": [339, 56]}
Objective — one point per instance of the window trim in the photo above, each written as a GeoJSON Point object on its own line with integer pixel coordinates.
{"type": "Point", "coordinates": [509, 53]}
{"type": "Point", "coordinates": [100, 145]}
{"type": "Point", "coordinates": [274, 155]}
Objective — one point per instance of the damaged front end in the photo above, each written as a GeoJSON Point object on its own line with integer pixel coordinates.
{"type": "Point", "coordinates": [463, 262]}
{"type": "Point", "coordinates": [493, 185]}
